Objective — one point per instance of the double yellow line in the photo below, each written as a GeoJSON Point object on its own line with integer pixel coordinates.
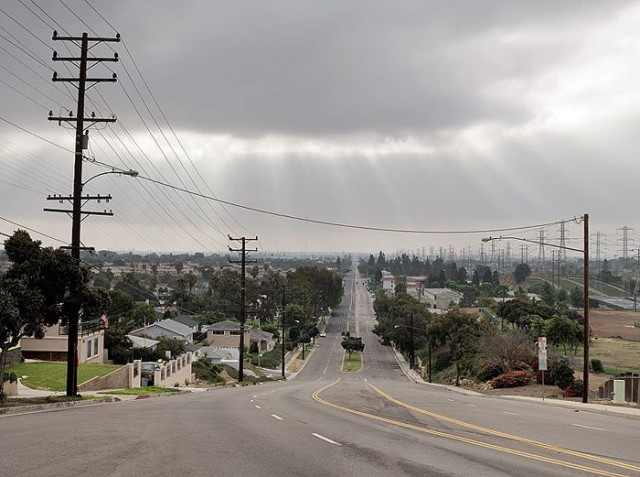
{"type": "Point", "coordinates": [446, 435]}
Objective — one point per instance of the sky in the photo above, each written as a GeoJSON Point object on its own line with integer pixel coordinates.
{"type": "Point", "coordinates": [443, 121]}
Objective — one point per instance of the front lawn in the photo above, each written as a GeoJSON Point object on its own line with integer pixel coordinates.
{"type": "Point", "coordinates": [53, 376]}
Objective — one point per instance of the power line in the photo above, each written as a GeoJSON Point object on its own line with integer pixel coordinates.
{"type": "Point", "coordinates": [349, 226]}
{"type": "Point", "coordinates": [35, 135]}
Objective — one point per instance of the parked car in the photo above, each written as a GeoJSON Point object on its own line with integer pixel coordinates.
{"type": "Point", "coordinates": [147, 373]}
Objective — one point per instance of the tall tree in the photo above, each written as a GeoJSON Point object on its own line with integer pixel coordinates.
{"type": "Point", "coordinates": [38, 289]}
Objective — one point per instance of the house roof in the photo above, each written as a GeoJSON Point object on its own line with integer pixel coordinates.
{"type": "Point", "coordinates": [169, 325]}
{"type": "Point", "coordinates": [220, 352]}
{"type": "Point", "coordinates": [227, 325]}
{"type": "Point", "coordinates": [186, 320]}
{"type": "Point", "coordinates": [256, 334]}
{"type": "Point", "coordinates": [140, 342]}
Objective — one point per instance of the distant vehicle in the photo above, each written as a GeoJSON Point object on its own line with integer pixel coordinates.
{"type": "Point", "coordinates": [323, 334]}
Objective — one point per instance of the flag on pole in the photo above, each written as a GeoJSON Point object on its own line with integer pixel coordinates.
{"type": "Point", "coordinates": [105, 320]}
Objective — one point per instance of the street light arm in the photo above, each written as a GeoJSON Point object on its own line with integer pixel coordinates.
{"type": "Point", "coordinates": [130, 173]}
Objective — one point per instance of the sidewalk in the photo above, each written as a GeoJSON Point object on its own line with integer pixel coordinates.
{"type": "Point", "coordinates": [629, 411]}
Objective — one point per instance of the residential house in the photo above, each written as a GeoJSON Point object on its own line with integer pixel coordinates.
{"type": "Point", "coordinates": [266, 341]}
{"type": "Point", "coordinates": [167, 328]}
{"type": "Point", "coordinates": [441, 298]}
{"type": "Point", "coordinates": [53, 347]}
{"type": "Point", "coordinates": [227, 334]}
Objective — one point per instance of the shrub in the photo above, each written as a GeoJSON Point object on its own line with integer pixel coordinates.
{"type": "Point", "coordinates": [489, 371]}
{"type": "Point", "coordinates": [512, 379]}
{"type": "Point", "coordinates": [574, 390]}
{"type": "Point", "coordinates": [442, 361]}
{"type": "Point", "coordinates": [597, 366]}
{"type": "Point", "coordinates": [561, 374]}
{"type": "Point", "coordinates": [11, 377]}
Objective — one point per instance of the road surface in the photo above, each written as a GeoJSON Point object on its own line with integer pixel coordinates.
{"type": "Point", "coordinates": [374, 422]}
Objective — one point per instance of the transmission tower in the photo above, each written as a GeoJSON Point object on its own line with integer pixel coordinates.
{"type": "Point", "coordinates": [541, 247]}
{"type": "Point", "coordinates": [625, 241]}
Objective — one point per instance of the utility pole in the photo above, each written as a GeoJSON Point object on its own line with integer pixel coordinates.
{"type": "Point", "coordinates": [284, 304]}
{"type": "Point", "coordinates": [412, 356]}
{"type": "Point", "coordinates": [243, 292]}
{"type": "Point", "coordinates": [84, 62]}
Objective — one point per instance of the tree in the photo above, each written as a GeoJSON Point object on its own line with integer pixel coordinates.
{"type": "Point", "coordinates": [40, 288]}
{"type": "Point", "coordinates": [576, 297]}
{"type": "Point", "coordinates": [563, 331]}
{"type": "Point", "coordinates": [459, 331]}
{"type": "Point", "coordinates": [351, 344]}
{"type": "Point", "coordinates": [522, 272]}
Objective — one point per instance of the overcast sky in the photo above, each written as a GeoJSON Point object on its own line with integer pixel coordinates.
{"type": "Point", "coordinates": [433, 116]}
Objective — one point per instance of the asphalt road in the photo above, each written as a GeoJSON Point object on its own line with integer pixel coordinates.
{"type": "Point", "coordinates": [374, 422]}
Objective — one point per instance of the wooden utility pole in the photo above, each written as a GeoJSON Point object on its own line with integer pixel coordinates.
{"type": "Point", "coordinates": [84, 62]}
{"type": "Point", "coordinates": [243, 292]}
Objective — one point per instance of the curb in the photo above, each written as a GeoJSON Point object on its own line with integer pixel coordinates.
{"type": "Point", "coordinates": [54, 406]}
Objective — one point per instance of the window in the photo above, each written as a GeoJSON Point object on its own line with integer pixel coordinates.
{"type": "Point", "coordinates": [217, 332]}
{"type": "Point", "coordinates": [89, 349]}
{"type": "Point", "coordinates": [95, 347]}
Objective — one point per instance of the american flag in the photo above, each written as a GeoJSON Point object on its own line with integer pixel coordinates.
{"type": "Point", "coordinates": [105, 320]}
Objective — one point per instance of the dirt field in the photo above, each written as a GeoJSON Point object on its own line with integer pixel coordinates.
{"type": "Point", "coordinates": [614, 324]}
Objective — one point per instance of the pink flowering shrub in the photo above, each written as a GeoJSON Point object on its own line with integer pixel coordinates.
{"type": "Point", "coordinates": [511, 379]}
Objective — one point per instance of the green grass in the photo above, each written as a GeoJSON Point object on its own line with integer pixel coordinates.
{"type": "Point", "coordinates": [352, 365]}
{"type": "Point", "coordinates": [143, 390]}
{"type": "Point", "coordinates": [53, 376]}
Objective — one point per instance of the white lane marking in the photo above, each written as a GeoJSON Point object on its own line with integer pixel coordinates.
{"type": "Point", "coordinates": [251, 400]}
{"type": "Point", "coordinates": [365, 380]}
{"type": "Point", "coordinates": [258, 407]}
{"type": "Point", "coordinates": [472, 405]}
{"type": "Point", "coordinates": [325, 439]}
{"type": "Point", "coordinates": [450, 400]}
{"type": "Point", "coordinates": [512, 413]}
{"type": "Point", "coordinates": [589, 427]}
{"type": "Point", "coordinates": [277, 417]}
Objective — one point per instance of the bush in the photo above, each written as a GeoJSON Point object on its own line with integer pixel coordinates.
{"type": "Point", "coordinates": [442, 361]}
{"type": "Point", "coordinates": [489, 371]}
{"type": "Point", "coordinates": [574, 390]}
{"type": "Point", "coordinates": [512, 379]}
{"type": "Point", "coordinates": [561, 374]}
{"type": "Point", "coordinates": [11, 377]}
{"type": "Point", "coordinates": [596, 366]}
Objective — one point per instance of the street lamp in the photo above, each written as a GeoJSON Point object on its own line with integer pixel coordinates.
{"type": "Point", "coordinates": [585, 253]}
{"type": "Point", "coordinates": [130, 173]}
{"type": "Point", "coordinates": [76, 220]}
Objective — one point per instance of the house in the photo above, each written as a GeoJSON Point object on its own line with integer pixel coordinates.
{"type": "Point", "coordinates": [266, 341]}
{"type": "Point", "coordinates": [167, 328]}
{"type": "Point", "coordinates": [227, 334]}
{"type": "Point", "coordinates": [441, 298]}
{"type": "Point", "coordinates": [53, 347]}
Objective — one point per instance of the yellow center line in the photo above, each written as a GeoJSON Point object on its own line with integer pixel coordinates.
{"type": "Point", "coordinates": [583, 455]}
{"type": "Point", "coordinates": [424, 430]}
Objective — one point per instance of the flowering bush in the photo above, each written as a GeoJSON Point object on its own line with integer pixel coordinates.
{"type": "Point", "coordinates": [512, 379]}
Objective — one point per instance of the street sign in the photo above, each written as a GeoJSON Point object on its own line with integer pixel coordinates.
{"type": "Point", "coordinates": [542, 353]}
